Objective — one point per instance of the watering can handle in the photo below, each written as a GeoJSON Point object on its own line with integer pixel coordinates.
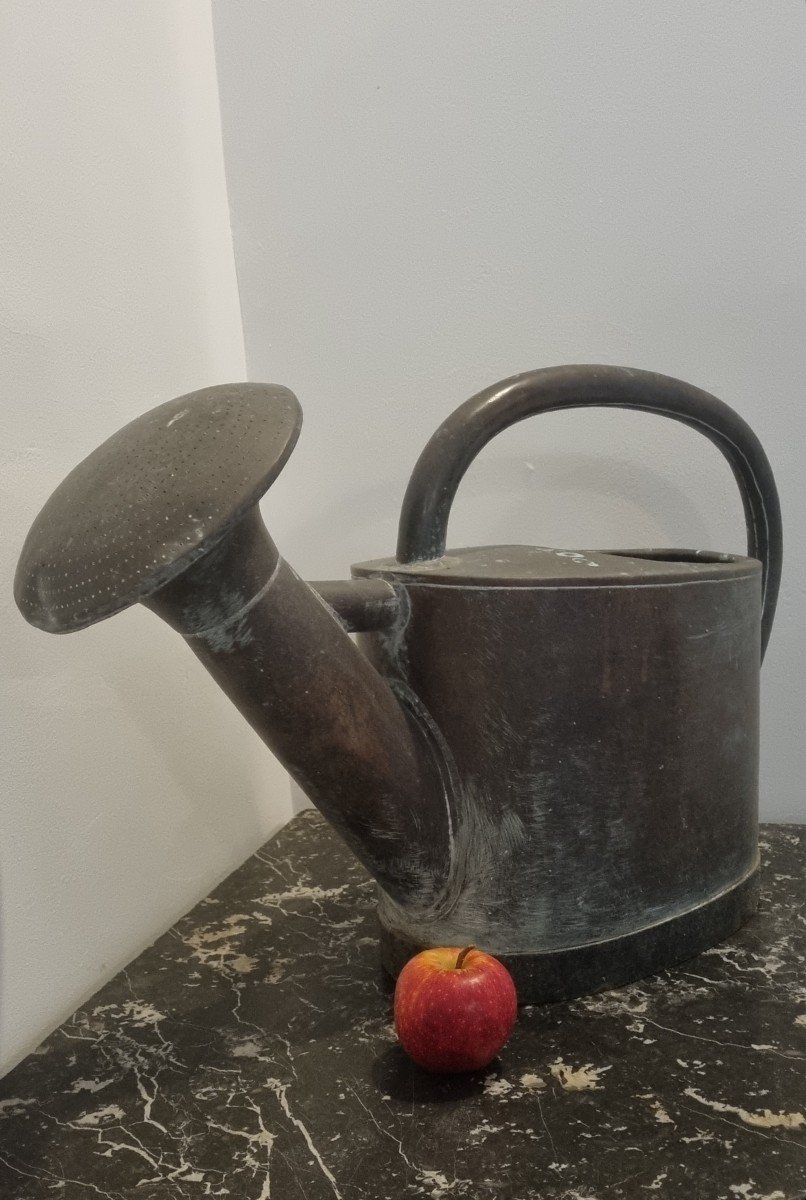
{"type": "Point", "coordinates": [443, 462]}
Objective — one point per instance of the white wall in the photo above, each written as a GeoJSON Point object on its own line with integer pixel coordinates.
{"type": "Point", "coordinates": [428, 197]}
{"type": "Point", "coordinates": [129, 785]}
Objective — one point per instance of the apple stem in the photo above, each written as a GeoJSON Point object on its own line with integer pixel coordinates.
{"type": "Point", "coordinates": [463, 955]}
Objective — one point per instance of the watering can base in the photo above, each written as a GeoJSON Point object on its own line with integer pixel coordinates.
{"type": "Point", "coordinates": [543, 978]}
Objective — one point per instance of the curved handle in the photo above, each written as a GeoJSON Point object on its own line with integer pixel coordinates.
{"type": "Point", "coordinates": [443, 462]}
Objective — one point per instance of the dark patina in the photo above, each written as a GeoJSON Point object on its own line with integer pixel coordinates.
{"type": "Point", "coordinates": [552, 754]}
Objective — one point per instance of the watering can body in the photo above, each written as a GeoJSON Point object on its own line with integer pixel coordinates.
{"type": "Point", "coordinates": [551, 754]}
{"type": "Point", "coordinates": [597, 711]}
{"type": "Point", "coordinates": [596, 720]}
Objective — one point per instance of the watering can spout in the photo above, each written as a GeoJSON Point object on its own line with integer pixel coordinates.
{"type": "Point", "coordinates": [165, 512]}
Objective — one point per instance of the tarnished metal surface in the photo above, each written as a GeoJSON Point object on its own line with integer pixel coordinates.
{"type": "Point", "coordinates": [603, 744]}
{"type": "Point", "coordinates": [552, 754]}
{"type": "Point", "coordinates": [151, 499]}
{"type": "Point", "coordinates": [284, 659]}
{"type": "Point", "coordinates": [360, 604]}
{"type": "Point", "coordinates": [443, 462]}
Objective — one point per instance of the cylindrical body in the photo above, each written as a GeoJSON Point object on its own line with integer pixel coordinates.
{"type": "Point", "coordinates": [599, 715]}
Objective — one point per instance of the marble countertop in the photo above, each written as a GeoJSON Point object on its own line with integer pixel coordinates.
{"type": "Point", "coordinates": [249, 1053]}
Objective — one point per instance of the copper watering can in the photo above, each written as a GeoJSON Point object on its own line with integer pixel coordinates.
{"type": "Point", "coordinates": [550, 754]}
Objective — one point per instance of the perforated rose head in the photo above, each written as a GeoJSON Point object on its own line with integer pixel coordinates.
{"type": "Point", "coordinates": [154, 498]}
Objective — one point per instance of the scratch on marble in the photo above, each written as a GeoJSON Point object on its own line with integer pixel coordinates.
{"type": "Point", "coordinates": [386, 1132]}
{"type": "Point", "coordinates": [61, 1180]}
{"type": "Point", "coordinates": [280, 1090]}
{"type": "Point", "coordinates": [697, 1037]}
{"type": "Point", "coordinates": [545, 1126]}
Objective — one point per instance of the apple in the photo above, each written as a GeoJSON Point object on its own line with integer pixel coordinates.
{"type": "Point", "coordinates": [454, 1008]}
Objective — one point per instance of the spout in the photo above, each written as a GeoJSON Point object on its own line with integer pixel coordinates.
{"type": "Point", "coordinates": [165, 513]}
{"type": "Point", "coordinates": [280, 653]}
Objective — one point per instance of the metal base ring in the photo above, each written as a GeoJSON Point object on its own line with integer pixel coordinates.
{"type": "Point", "coordinates": [563, 974]}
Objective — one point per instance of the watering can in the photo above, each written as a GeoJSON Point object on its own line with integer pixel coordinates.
{"type": "Point", "coordinates": [549, 754]}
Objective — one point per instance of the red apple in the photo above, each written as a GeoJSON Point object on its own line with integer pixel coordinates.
{"type": "Point", "coordinates": [454, 1008]}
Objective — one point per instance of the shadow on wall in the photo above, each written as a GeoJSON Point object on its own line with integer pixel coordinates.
{"type": "Point", "coordinates": [193, 729]}
{"type": "Point", "coordinates": [299, 800]}
{"type": "Point", "coordinates": [657, 502]}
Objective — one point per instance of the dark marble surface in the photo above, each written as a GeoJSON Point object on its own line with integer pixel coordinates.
{"type": "Point", "coordinates": [249, 1054]}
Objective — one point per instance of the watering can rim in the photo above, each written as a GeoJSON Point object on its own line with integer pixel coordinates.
{"type": "Point", "coordinates": [516, 565]}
